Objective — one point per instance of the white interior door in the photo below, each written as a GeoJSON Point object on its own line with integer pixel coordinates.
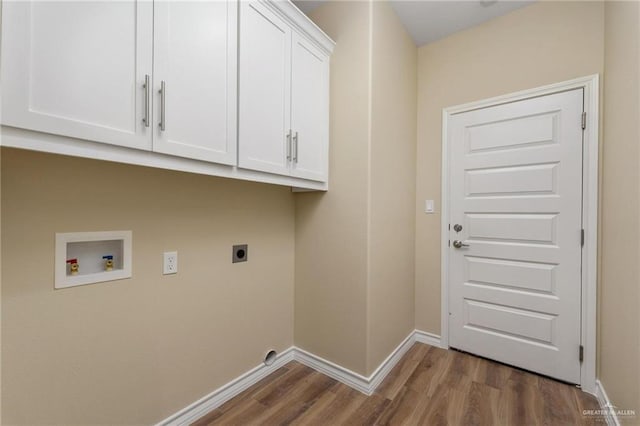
{"type": "Point", "coordinates": [265, 89]}
{"type": "Point", "coordinates": [77, 68]}
{"type": "Point", "coordinates": [309, 110]}
{"type": "Point", "coordinates": [195, 55]}
{"type": "Point", "coordinates": [516, 191]}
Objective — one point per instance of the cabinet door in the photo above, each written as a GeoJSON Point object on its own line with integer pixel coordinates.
{"type": "Point", "coordinates": [265, 88]}
{"type": "Point", "coordinates": [195, 55]}
{"type": "Point", "coordinates": [309, 110]}
{"type": "Point", "coordinates": [78, 68]}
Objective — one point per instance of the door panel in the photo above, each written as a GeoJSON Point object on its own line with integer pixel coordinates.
{"type": "Point", "coordinates": [265, 90]}
{"type": "Point", "coordinates": [527, 131]}
{"type": "Point", "coordinates": [195, 55]}
{"type": "Point", "coordinates": [309, 110]}
{"type": "Point", "coordinates": [516, 189]}
{"type": "Point", "coordinates": [520, 180]}
{"type": "Point", "coordinates": [88, 87]}
{"type": "Point", "coordinates": [510, 321]}
{"type": "Point", "coordinates": [519, 227]}
{"type": "Point", "coordinates": [524, 276]}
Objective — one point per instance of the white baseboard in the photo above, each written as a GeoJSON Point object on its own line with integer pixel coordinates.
{"type": "Point", "coordinates": [341, 374]}
{"type": "Point", "coordinates": [350, 378]}
{"type": "Point", "coordinates": [385, 367]}
{"type": "Point", "coordinates": [606, 405]}
{"type": "Point", "coordinates": [221, 395]}
{"type": "Point", "coordinates": [366, 385]}
{"type": "Point", "coordinates": [428, 338]}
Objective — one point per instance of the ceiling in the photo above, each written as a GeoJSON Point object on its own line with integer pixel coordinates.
{"type": "Point", "coordinates": [428, 21]}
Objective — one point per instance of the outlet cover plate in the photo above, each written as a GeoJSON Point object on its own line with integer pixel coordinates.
{"type": "Point", "coordinates": [170, 264]}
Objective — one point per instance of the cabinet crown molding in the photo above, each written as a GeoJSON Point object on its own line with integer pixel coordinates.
{"type": "Point", "coordinates": [302, 23]}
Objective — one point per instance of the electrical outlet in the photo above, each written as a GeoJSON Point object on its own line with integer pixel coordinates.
{"type": "Point", "coordinates": [170, 265]}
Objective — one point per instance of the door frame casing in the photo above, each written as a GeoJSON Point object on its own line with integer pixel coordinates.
{"type": "Point", "coordinates": [590, 84]}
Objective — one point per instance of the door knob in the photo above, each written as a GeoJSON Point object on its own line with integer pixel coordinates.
{"type": "Point", "coordinates": [459, 244]}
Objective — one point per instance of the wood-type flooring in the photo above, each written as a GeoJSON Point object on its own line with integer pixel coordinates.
{"type": "Point", "coordinates": [429, 386]}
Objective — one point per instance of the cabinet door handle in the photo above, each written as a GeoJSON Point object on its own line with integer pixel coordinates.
{"type": "Point", "coordinates": [295, 147]}
{"type": "Point", "coordinates": [289, 145]}
{"type": "Point", "coordinates": [163, 103]}
{"type": "Point", "coordinates": [145, 119]}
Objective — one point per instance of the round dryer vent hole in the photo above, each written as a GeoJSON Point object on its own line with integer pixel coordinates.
{"type": "Point", "coordinates": [270, 358]}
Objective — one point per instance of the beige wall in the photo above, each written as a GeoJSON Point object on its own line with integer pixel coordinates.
{"type": "Point", "coordinates": [619, 353]}
{"type": "Point", "coordinates": [354, 244]}
{"type": "Point", "coordinates": [392, 181]}
{"type": "Point", "coordinates": [1, 2]}
{"type": "Point", "coordinates": [540, 44]}
{"type": "Point", "coordinates": [331, 228]}
{"type": "Point", "coordinates": [0, 268]}
{"type": "Point", "coordinates": [137, 350]}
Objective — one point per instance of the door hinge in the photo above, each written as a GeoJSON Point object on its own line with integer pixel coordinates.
{"type": "Point", "coordinates": [584, 120]}
{"type": "Point", "coordinates": [581, 353]}
{"type": "Point", "coordinates": [582, 238]}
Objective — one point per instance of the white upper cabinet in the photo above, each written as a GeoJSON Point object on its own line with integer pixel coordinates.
{"type": "Point", "coordinates": [265, 89]}
{"type": "Point", "coordinates": [309, 110]}
{"type": "Point", "coordinates": [228, 88]}
{"type": "Point", "coordinates": [195, 60]}
{"type": "Point", "coordinates": [78, 69]}
{"type": "Point", "coordinates": [284, 95]}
